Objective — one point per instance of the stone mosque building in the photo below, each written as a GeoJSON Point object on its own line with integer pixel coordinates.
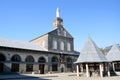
{"type": "Point", "coordinates": [52, 52]}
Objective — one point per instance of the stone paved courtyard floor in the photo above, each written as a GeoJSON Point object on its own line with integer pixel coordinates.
{"type": "Point", "coordinates": [58, 76]}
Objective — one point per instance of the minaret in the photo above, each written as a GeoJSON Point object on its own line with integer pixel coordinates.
{"type": "Point", "coordinates": [58, 22]}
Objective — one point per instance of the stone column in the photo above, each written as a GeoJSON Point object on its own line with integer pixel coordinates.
{"type": "Point", "coordinates": [77, 70]}
{"type": "Point", "coordinates": [81, 67]}
{"type": "Point", "coordinates": [22, 67]}
{"type": "Point", "coordinates": [108, 70]}
{"type": "Point", "coordinates": [87, 70]}
{"type": "Point", "coordinates": [45, 68]}
{"type": "Point", "coordinates": [113, 65]}
{"type": "Point", "coordinates": [101, 70]}
{"type": "Point", "coordinates": [36, 67]}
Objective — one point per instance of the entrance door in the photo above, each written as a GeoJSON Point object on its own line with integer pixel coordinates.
{"type": "Point", "coordinates": [41, 68]}
{"type": "Point", "coordinates": [15, 67]}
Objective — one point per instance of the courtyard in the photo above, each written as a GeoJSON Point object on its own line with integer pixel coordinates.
{"type": "Point", "coordinates": [57, 76]}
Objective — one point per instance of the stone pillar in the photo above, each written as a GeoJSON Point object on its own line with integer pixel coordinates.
{"type": "Point", "coordinates": [35, 67]}
{"type": "Point", "coordinates": [101, 70]}
{"type": "Point", "coordinates": [113, 65]}
{"type": "Point", "coordinates": [7, 67]}
{"type": "Point", "coordinates": [77, 66]}
{"type": "Point", "coordinates": [46, 68]}
{"type": "Point", "coordinates": [22, 68]}
{"type": "Point", "coordinates": [50, 68]}
{"type": "Point", "coordinates": [108, 70]}
{"type": "Point", "coordinates": [87, 70]}
{"type": "Point", "coordinates": [81, 67]}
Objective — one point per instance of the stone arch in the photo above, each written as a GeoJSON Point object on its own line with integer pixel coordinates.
{"type": "Point", "coordinates": [29, 59]}
{"type": "Point", "coordinates": [41, 62]}
{"type": "Point", "coordinates": [16, 59]}
{"type": "Point", "coordinates": [29, 63]}
{"type": "Point", "coordinates": [2, 59]}
{"type": "Point", "coordinates": [54, 61]}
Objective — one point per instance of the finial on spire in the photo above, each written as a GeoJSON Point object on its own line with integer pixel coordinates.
{"type": "Point", "coordinates": [58, 12]}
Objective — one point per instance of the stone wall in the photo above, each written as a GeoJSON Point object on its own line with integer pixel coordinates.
{"type": "Point", "coordinates": [8, 53]}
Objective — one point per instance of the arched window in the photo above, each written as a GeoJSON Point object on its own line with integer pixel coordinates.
{"type": "Point", "coordinates": [62, 45]}
{"type": "Point", "coordinates": [29, 63]}
{"type": "Point", "coordinates": [54, 61]}
{"type": "Point", "coordinates": [54, 44]}
{"type": "Point", "coordinates": [16, 58]}
{"type": "Point", "coordinates": [2, 57]}
{"type": "Point", "coordinates": [29, 59]}
{"type": "Point", "coordinates": [41, 60]}
{"type": "Point", "coordinates": [68, 47]}
{"type": "Point", "coordinates": [15, 65]}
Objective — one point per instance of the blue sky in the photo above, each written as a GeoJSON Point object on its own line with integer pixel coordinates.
{"type": "Point", "coordinates": [28, 19]}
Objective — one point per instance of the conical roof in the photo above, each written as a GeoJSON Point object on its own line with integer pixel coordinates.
{"type": "Point", "coordinates": [91, 53]}
{"type": "Point", "coordinates": [114, 53]}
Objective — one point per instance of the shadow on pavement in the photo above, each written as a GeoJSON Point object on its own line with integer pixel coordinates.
{"type": "Point", "coordinates": [15, 76]}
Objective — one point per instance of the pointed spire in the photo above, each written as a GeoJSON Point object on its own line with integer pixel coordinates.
{"type": "Point", "coordinates": [91, 53]}
{"type": "Point", "coordinates": [58, 22]}
{"type": "Point", "coordinates": [58, 12]}
{"type": "Point", "coordinates": [114, 53]}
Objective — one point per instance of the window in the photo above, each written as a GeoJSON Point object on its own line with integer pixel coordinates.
{"type": "Point", "coordinates": [65, 33]}
{"type": "Point", "coordinates": [16, 58]}
{"type": "Point", "coordinates": [54, 61]}
{"type": "Point", "coordinates": [68, 47]}
{"type": "Point", "coordinates": [54, 44]}
{"type": "Point", "coordinates": [41, 60]}
{"type": "Point", "coordinates": [58, 31]}
{"type": "Point", "coordinates": [62, 46]}
{"type": "Point", "coordinates": [29, 66]}
{"type": "Point", "coordinates": [15, 66]}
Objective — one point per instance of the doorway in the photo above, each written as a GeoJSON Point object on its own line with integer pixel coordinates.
{"type": "Point", "coordinates": [16, 59]}
{"type": "Point", "coordinates": [15, 67]}
{"type": "Point", "coordinates": [41, 68]}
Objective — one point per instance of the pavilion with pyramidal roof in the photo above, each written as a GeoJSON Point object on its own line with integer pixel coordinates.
{"type": "Point", "coordinates": [91, 61]}
{"type": "Point", "coordinates": [114, 56]}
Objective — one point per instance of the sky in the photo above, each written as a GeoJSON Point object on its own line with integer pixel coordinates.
{"type": "Point", "coordinates": [27, 19]}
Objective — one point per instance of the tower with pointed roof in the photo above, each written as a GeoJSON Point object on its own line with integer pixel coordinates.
{"type": "Point", "coordinates": [58, 22]}
{"type": "Point", "coordinates": [57, 40]}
